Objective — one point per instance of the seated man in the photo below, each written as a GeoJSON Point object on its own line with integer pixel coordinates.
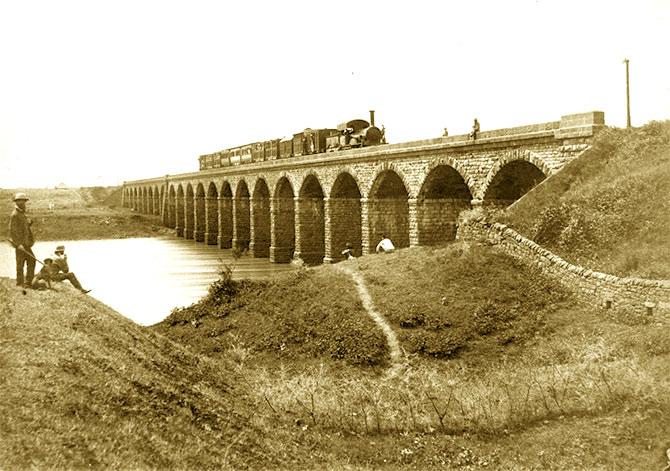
{"type": "Point", "coordinates": [43, 279]}
{"type": "Point", "coordinates": [62, 271]}
{"type": "Point", "coordinates": [348, 252]}
{"type": "Point", "coordinates": [385, 245]}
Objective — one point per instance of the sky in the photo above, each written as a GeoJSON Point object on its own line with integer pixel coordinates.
{"type": "Point", "coordinates": [97, 92]}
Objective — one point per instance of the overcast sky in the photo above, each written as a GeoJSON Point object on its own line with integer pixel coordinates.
{"type": "Point", "coordinates": [98, 92]}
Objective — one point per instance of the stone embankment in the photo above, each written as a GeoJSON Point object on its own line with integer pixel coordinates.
{"type": "Point", "coordinates": [589, 286]}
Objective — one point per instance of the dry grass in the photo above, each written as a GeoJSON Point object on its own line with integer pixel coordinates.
{"type": "Point", "coordinates": [84, 387]}
{"type": "Point", "coordinates": [609, 209]}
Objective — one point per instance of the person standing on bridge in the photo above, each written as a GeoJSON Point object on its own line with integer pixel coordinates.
{"type": "Point", "coordinates": [21, 237]}
{"type": "Point", "coordinates": [475, 130]}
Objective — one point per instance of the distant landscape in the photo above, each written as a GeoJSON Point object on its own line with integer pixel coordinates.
{"type": "Point", "coordinates": [501, 367]}
{"type": "Point", "coordinates": [79, 213]}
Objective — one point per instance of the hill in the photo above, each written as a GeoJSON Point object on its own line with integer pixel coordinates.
{"type": "Point", "coordinates": [609, 209]}
{"type": "Point", "coordinates": [84, 387]}
{"type": "Point", "coordinates": [502, 369]}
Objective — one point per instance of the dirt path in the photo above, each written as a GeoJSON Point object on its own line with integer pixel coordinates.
{"type": "Point", "coordinates": [368, 304]}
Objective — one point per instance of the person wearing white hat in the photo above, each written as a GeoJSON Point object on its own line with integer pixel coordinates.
{"type": "Point", "coordinates": [22, 238]}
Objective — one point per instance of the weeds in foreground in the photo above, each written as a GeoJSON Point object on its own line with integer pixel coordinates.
{"type": "Point", "coordinates": [423, 399]}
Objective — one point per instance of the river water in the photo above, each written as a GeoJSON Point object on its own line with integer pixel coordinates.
{"type": "Point", "coordinates": [145, 278]}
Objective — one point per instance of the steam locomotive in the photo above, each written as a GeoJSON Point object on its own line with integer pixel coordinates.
{"type": "Point", "coordinates": [348, 135]}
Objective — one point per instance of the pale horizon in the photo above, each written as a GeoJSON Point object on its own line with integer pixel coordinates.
{"type": "Point", "coordinates": [97, 93]}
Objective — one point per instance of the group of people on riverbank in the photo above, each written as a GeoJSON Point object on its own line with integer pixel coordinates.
{"type": "Point", "coordinates": [54, 268]}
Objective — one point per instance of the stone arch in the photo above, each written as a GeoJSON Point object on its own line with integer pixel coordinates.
{"type": "Point", "coordinates": [513, 179]}
{"type": "Point", "coordinates": [199, 215]}
{"type": "Point", "coordinates": [388, 210]}
{"type": "Point", "coordinates": [260, 227]}
{"type": "Point", "coordinates": [171, 208]}
{"type": "Point", "coordinates": [289, 177]}
{"type": "Point", "coordinates": [225, 238]}
{"type": "Point", "coordinates": [457, 165]}
{"type": "Point", "coordinates": [384, 168]}
{"type": "Point", "coordinates": [180, 210]}
{"type": "Point", "coordinates": [345, 215]}
{"type": "Point", "coordinates": [443, 195]}
{"type": "Point", "coordinates": [241, 216]}
{"type": "Point", "coordinates": [509, 158]}
{"type": "Point", "coordinates": [211, 214]}
{"type": "Point", "coordinates": [310, 241]}
{"type": "Point", "coordinates": [189, 212]}
{"type": "Point", "coordinates": [282, 220]}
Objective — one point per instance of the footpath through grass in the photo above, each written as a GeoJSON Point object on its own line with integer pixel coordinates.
{"type": "Point", "coordinates": [503, 371]}
{"type": "Point", "coordinates": [608, 210]}
{"type": "Point", "coordinates": [80, 213]}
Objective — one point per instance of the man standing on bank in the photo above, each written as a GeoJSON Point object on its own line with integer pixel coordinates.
{"type": "Point", "coordinates": [22, 238]}
{"type": "Point", "coordinates": [62, 269]}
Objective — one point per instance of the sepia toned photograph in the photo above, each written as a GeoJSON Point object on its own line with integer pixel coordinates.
{"type": "Point", "coordinates": [334, 236]}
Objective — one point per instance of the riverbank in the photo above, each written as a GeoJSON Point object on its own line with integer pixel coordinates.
{"type": "Point", "coordinates": [82, 386]}
{"type": "Point", "coordinates": [582, 389]}
{"type": "Point", "coordinates": [81, 213]}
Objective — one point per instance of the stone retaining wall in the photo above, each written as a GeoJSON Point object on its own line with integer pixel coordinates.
{"type": "Point", "coordinates": [590, 287]}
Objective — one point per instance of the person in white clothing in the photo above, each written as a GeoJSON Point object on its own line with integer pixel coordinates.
{"type": "Point", "coordinates": [385, 245]}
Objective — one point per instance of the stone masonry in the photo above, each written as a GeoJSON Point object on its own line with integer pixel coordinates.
{"type": "Point", "coordinates": [588, 286]}
{"type": "Point", "coordinates": [311, 206]}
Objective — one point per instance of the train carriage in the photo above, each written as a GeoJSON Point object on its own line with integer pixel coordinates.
{"type": "Point", "coordinates": [299, 147]}
{"type": "Point", "coordinates": [245, 154]}
{"type": "Point", "coordinates": [286, 147]}
{"type": "Point", "coordinates": [258, 152]}
{"type": "Point", "coordinates": [271, 149]}
{"type": "Point", "coordinates": [224, 158]}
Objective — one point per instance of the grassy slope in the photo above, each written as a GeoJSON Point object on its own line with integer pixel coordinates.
{"type": "Point", "coordinates": [459, 299]}
{"type": "Point", "coordinates": [80, 213]}
{"type": "Point", "coordinates": [83, 386]}
{"type": "Point", "coordinates": [307, 314]}
{"type": "Point", "coordinates": [536, 382]}
{"type": "Point", "coordinates": [609, 209]}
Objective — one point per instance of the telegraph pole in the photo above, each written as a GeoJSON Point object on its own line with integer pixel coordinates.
{"type": "Point", "coordinates": [625, 61]}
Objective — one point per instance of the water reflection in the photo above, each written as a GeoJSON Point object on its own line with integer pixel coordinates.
{"type": "Point", "coordinates": [145, 278]}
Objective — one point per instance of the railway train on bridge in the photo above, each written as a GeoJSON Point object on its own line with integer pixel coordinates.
{"type": "Point", "coordinates": [348, 135]}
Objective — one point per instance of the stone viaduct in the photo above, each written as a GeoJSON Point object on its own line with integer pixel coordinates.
{"type": "Point", "coordinates": [310, 207]}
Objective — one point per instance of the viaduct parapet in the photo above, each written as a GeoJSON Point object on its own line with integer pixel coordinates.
{"type": "Point", "coordinates": [310, 207]}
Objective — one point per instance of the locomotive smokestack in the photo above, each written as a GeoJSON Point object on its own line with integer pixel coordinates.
{"type": "Point", "coordinates": [372, 117]}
